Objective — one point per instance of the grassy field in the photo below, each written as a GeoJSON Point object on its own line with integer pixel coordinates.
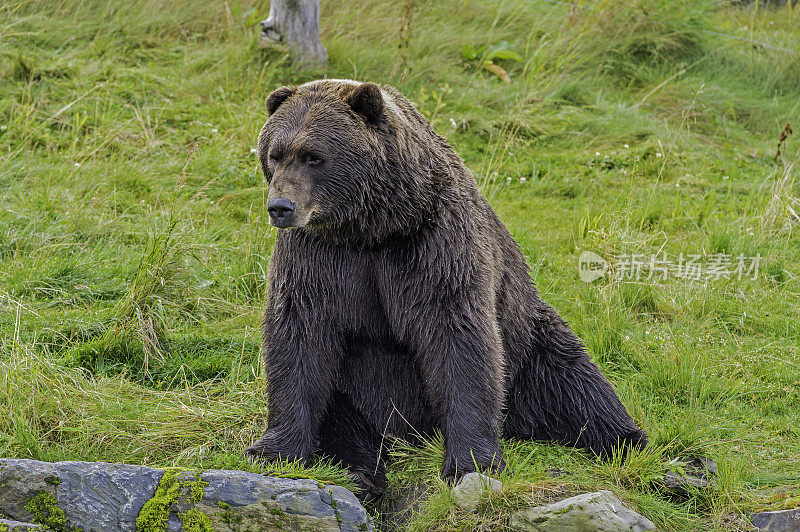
{"type": "Point", "coordinates": [134, 241]}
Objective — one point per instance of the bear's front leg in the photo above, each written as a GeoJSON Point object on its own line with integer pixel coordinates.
{"type": "Point", "coordinates": [300, 371]}
{"type": "Point", "coordinates": [463, 380]}
{"type": "Point", "coordinates": [461, 360]}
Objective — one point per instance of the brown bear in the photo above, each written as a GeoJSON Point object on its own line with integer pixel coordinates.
{"type": "Point", "coordinates": [398, 302]}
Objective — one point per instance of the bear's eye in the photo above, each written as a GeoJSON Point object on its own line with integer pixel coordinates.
{"type": "Point", "coordinates": [275, 155]}
{"type": "Point", "coordinates": [313, 160]}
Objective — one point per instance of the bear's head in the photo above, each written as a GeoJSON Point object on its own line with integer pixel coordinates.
{"type": "Point", "coordinates": [346, 160]}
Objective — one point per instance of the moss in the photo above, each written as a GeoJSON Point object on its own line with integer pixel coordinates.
{"type": "Point", "coordinates": [197, 490]}
{"type": "Point", "coordinates": [53, 481]}
{"type": "Point", "coordinates": [45, 511]}
{"type": "Point", "coordinates": [155, 513]}
{"type": "Point", "coordinates": [226, 515]}
{"type": "Point", "coordinates": [565, 510]}
{"type": "Point", "coordinates": [3, 528]}
{"type": "Point", "coordinates": [333, 505]}
{"type": "Point", "coordinates": [196, 521]}
{"type": "Point", "coordinates": [277, 511]}
{"type": "Point", "coordinates": [786, 499]}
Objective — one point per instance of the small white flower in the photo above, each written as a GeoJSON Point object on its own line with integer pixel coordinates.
{"type": "Point", "coordinates": [3, 128]}
{"type": "Point", "coordinates": [677, 184]}
{"type": "Point", "coordinates": [625, 145]}
{"type": "Point", "coordinates": [725, 177]}
{"type": "Point", "coordinates": [77, 164]}
{"type": "Point", "coordinates": [658, 154]}
{"type": "Point", "coordinates": [522, 179]}
{"type": "Point", "coordinates": [508, 179]}
{"type": "Point", "coordinates": [625, 171]}
{"type": "Point", "coordinates": [253, 151]}
{"type": "Point", "coordinates": [453, 123]}
{"type": "Point", "coordinates": [597, 153]}
{"type": "Point", "coordinates": [214, 130]}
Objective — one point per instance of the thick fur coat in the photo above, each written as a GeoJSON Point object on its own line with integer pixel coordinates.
{"type": "Point", "coordinates": [398, 302]}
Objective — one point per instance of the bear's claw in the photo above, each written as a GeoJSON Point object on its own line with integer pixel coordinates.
{"type": "Point", "coordinates": [267, 447]}
{"type": "Point", "coordinates": [454, 468]}
{"type": "Point", "coordinates": [371, 486]}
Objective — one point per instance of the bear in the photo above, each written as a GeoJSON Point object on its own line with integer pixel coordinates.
{"type": "Point", "coordinates": [399, 305]}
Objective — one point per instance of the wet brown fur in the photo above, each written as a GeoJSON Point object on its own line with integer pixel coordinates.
{"type": "Point", "coordinates": [399, 303]}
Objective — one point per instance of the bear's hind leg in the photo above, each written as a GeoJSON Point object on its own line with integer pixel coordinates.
{"type": "Point", "coordinates": [557, 393]}
{"type": "Point", "coordinates": [346, 435]}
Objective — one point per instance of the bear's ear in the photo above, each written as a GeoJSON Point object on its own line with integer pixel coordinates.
{"type": "Point", "coordinates": [277, 97]}
{"type": "Point", "coordinates": [367, 101]}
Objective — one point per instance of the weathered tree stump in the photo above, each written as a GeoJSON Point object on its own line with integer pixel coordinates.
{"type": "Point", "coordinates": [296, 24]}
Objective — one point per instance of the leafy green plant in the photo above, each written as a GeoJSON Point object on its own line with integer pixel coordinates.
{"type": "Point", "coordinates": [487, 55]}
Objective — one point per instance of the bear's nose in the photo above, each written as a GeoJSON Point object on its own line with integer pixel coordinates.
{"type": "Point", "coordinates": [280, 208]}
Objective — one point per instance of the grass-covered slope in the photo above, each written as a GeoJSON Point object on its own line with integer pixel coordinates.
{"type": "Point", "coordinates": [134, 242]}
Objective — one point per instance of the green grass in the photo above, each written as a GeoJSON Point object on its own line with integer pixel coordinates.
{"type": "Point", "coordinates": [134, 242]}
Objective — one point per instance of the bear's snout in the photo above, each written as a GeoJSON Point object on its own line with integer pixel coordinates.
{"type": "Point", "coordinates": [280, 211]}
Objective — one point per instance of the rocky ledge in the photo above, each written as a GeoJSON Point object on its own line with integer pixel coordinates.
{"type": "Point", "coordinates": [103, 497]}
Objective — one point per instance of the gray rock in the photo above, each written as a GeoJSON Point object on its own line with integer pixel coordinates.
{"type": "Point", "coordinates": [778, 521]}
{"type": "Point", "coordinates": [351, 515]}
{"type": "Point", "coordinates": [101, 497]}
{"type": "Point", "coordinates": [236, 500]}
{"type": "Point", "coordinates": [472, 488]}
{"type": "Point", "coordinates": [400, 503]}
{"type": "Point", "coordinates": [600, 511]}
{"type": "Point", "coordinates": [95, 496]}
{"type": "Point", "coordinates": [700, 472]}
{"type": "Point", "coordinates": [22, 480]}
{"type": "Point", "coordinates": [18, 526]}
{"type": "Point", "coordinates": [683, 485]}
